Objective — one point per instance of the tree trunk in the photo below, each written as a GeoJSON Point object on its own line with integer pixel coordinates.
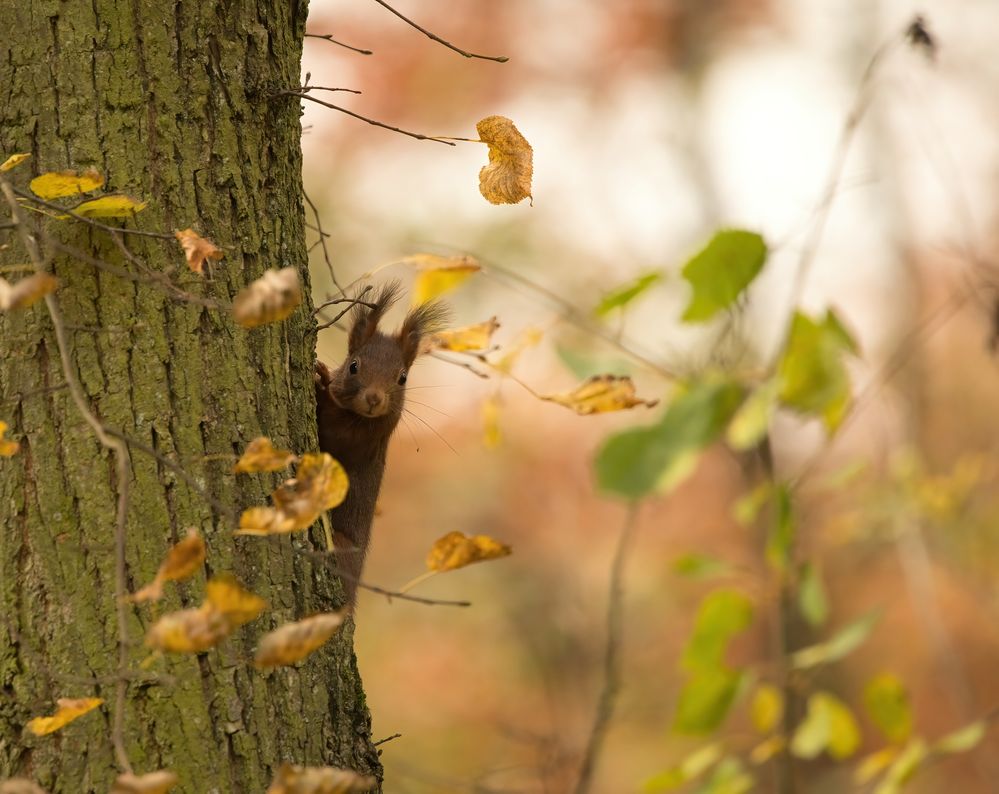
{"type": "Point", "coordinates": [172, 103]}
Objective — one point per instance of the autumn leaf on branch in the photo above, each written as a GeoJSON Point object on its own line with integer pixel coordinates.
{"type": "Point", "coordinates": [292, 642]}
{"type": "Point", "coordinates": [469, 337]}
{"type": "Point", "coordinates": [600, 394]}
{"type": "Point", "coordinates": [291, 779]}
{"type": "Point", "coordinates": [58, 184]}
{"type": "Point", "coordinates": [197, 249]}
{"type": "Point", "coordinates": [438, 274]}
{"type": "Point", "coordinates": [7, 447]}
{"type": "Point", "coordinates": [272, 297]}
{"type": "Point", "coordinates": [26, 291]}
{"type": "Point", "coordinates": [456, 550]}
{"type": "Point", "coordinates": [158, 782]}
{"type": "Point", "coordinates": [507, 178]}
{"type": "Point", "coordinates": [115, 205]}
{"type": "Point", "coordinates": [68, 710]}
{"type": "Point", "coordinates": [261, 455]}
{"type": "Point", "coordinates": [182, 561]}
{"type": "Point", "coordinates": [13, 161]}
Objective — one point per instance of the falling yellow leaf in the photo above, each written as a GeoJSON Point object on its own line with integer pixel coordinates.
{"type": "Point", "coordinates": [188, 630]}
{"type": "Point", "coordinates": [13, 161]}
{"type": "Point", "coordinates": [182, 561]}
{"type": "Point", "coordinates": [292, 642]}
{"type": "Point", "coordinates": [7, 447]}
{"type": "Point", "coordinates": [456, 550]}
{"type": "Point", "coordinates": [26, 291]}
{"type": "Point", "coordinates": [116, 205]}
{"type": "Point", "coordinates": [69, 709]}
{"type": "Point", "coordinates": [228, 597]}
{"type": "Point", "coordinates": [158, 782]}
{"type": "Point", "coordinates": [438, 274]}
{"type": "Point", "coordinates": [507, 178]}
{"type": "Point", "coordinates": [197, 249]}
{"type": "Point", "coordinates": [270, 298]}
{"type": "Point", "coordinates": [291, 779]}
{"type": "Point", "coordinates": [600, 394]}
{"type": "Point", "coordinates": [261, 455]}
{"type": "Point", "coordinates": [57, 184]}
{"type": "Point", "coordinates": [471, 337]}
{"type": "Point", "coordinates": [492, 435]}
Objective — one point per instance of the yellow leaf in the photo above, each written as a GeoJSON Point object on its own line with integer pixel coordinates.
{"type": "Point", "coordinates": [766, 708]}
{"type": "Point", "coordinates": [26, 291]}
{"type": "Point", "coordinates": [158, 782]}
{"type": "Point", "coordinates": [600, 394]}
{"type": "Point", "coordinates": [69, 709]}
{"type": "Point", "coordinates": [507, 178]}
{"type": "Point", "coordinates": [197, 249]}
{"type": "Point", "coordinates": [264, 521]}
{"type": "Point", "coordinates": [13, 161]}
{"type": "Point", "coordinates": [260, 455]}
{"type": "Point", "coordinates": [182, 561]}
{"type": "Point", "coordinates": [471, 337]}
{"type": "Point", "coordinates": [492, 435]}
{"type": "Point", "coordinates": [270, 298]}
{"type": "Point", "coordinates": [873, 765]}
{"type": "Point", "coordinates": [439, 274]}
{"type": "Point", "coordinates": [529, 337]}
{"type": "Point", "coordinates": [291, 779]}
{"type": "Point", "coordinates": [117, 205]}
{"type": "Point", "coordinates": [189, 630]}
{"type": "Point", "coordinates": [456, 550]}
{"type": "Point", "coordinates": [228, 597]}
{"type": "Point", "coordinates": [56, 184]}
{"type": "Point", "coordinates": [320, 483]}
{"type": "Point", "coordinates": [766, 749]}
{"type": "Point", "coordinates": [7, 447]}
{"type": "Point", "coordinates": [292, 642]}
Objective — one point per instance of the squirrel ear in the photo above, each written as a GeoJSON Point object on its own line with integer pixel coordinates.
{"type": "Point", "coordinates": [419, 324]}
{"type": "Point", "coordinates": [365, 319]}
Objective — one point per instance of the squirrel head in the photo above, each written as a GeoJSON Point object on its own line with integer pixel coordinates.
{"type": "Point", "coordinates": [371, 381]}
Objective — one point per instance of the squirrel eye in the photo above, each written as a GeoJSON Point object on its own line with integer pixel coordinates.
{"type": "Point", "coordinates": [402, 378]}
{"type": "Point", "coordinates": [353, 367]}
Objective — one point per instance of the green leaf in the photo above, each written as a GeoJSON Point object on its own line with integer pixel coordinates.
{"type": "Point", "coordinates": [887, 704]}
{"type": "Point", "coordinates": [766, 708]}
{"type": "Point", "coordinates": [812, 599]}
{"type": "Point", "coordinates": [752, 421]}
{"type": "Point", "coordinates": [839, 645]}
{"type": "Point", "coordinates": [829, 725]}
{"type": "Point", "coordinates": [813, 378]}
{"type": "Point", "coordinates": [700, 566]}
{"type": "Point", "coordinates": [722, 271]}
{"type": "Point", "coordinates": [722, 615]}
{"type": "Point", "coordinates": [729, 777]}
{"type": "Point", "coordinates": [904, 767]}
{"type": "Point", "coordinates": [622, 296]}
{"type": "Point", "coordinates": [693, 766]}
{"type": "Point", "coordinates": [584, 365]}
{"type": "Point", "coordinates": [639, 461]}
{"type": "Point", "coordinates": [705, 700]}
{"type": "Point", "coordinates": [960, 741]}
{"type": "Point", "coordinates": [782, 532]}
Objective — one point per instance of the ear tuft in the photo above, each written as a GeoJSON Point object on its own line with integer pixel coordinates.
{"type": "Point", "coordinates": [420, 324]}
{"type": "Point", "coordinates": [365, 319]}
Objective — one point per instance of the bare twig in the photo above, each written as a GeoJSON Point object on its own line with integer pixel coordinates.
{"type": "Point", "coordinates": [32, 198]}
{"type": "Point", "coordinates": [331, 40]}
{"type": "Point", "coordinates": [322, 239]}
{"type": "Point", "coordinates": [387, 739]}
{"type": "Point", "coordinates": [353, 302]}
{"type": "Point", "coordinates": [439, 40]}
{"type": "Point", "coordinates": [304, 89]}
{"type": "Point", "coordinates": [612, 655]}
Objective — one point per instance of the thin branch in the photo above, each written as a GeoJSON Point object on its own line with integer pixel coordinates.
{"type": "Point", "coordinates": [322, 239]}
{"type": "Point", "coordinates": [353, 302]}
{"type": "Point", "coordinates": [387, 739]}
{"type": "Point", "coordinates": [439, 40]}
{"type": "Point", "coordinates": [331, 40]}
{"type": "Point", "coordinates": [330, 105]}
{"type": "Point", "coordinates": [123, 477]}
{"type": "Point", "coordinates": [304, 89]}
{"type": "Point", "coordinates": [612, 655]}
{"type": "Point", "coordinates": [84, 219]}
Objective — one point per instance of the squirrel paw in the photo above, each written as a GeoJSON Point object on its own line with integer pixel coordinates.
{"type": "Point", "coordinates": [323, 375]}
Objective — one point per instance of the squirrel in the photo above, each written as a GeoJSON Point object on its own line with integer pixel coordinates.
{"type": "Point", "coordinates": [358, 406]}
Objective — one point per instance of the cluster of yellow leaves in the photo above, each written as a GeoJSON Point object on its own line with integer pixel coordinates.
{"type": "Point", "coordinates": [456, 550]}
{"type": "Point", "coordinates": [469, 337]}
{"type": "Point", "coordinates": [158, 782]}
{"type": "Point", "coordinates": [292, 642]}
{"type": "Point", "coordinates": [197, 249]}
{"type": "Point", "coordinates": [320, 483]}
{"type": "Point", "coordinates": [68, 710]}
{"type": "Point", "coordinates": [438, 274]}
{"type": "Point", "coordinates": [507, 178]}
{"type": "Point", "coordinates": [182, 561]}
{"type": "Point", "coordinates": [227, 606]}
{"type": "Point", "coordinates": [600, 394]}
{"type": "Point", "coordinates": [261, 455]}
{"type": "Point", "coordinates": [7, 447]}
{"type": "Point", "coordinates": [26, 291]}
{"type": "Point", "coordinates": [291, 779]}
{"type": "Point", "coordinates": [272, 297]}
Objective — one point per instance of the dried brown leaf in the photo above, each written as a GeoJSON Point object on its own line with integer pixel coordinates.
{"type": "Point", "coordinates": [470, 337]}
{"type": "Point", "coordinates": [270, 298]}
{"type": "Point", "coordinates": [291, 779]}
{"type": "Point", "coordinates": [68, 710]}
{"type": "Point", "coordinates": [456, 550]}
{"type": "Point", "coordinates": [158, 782]}
{"type": "Point", "coordinates": [197, 249]}
{"type": "Point", "coordinates": [26, 291]}
{"type": "Point", "coordinates": [261, 455]}
{"type": "Point", "coordinates": [507, 178]}
{"type": "Point", "coordinates": [292, 642]}
{"type": "Point", "coordinates": [600, 394]}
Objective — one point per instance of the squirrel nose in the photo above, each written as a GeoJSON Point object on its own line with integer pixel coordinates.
{"type": "Point", "coordinates": [373, 398]}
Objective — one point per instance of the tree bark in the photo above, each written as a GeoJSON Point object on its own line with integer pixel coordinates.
{"type": "Point", "coordinates": [173, 103]}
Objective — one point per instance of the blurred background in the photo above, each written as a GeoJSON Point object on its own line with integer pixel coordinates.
{"type": "Point", "coordinates": [654, 123]}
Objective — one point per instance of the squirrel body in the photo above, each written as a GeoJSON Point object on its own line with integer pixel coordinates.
{"type": "Point", "coordinates": [358, 406]}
